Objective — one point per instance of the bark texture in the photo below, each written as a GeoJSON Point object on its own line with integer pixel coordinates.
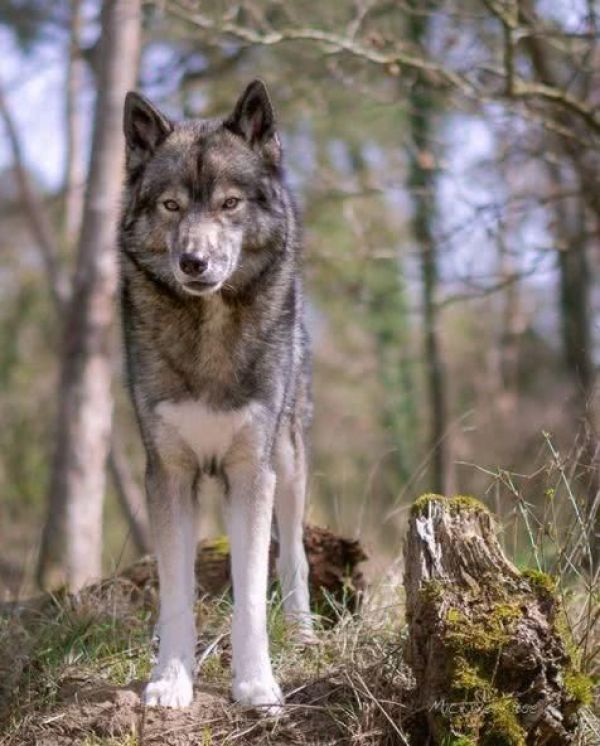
{"type": "Point", "coordinates": [422, 182]}
{"type": "Point", "coordinates": [75, 151]}
{"type": "Point", "coordinates": [333, 570]}
{"type": "Point", "coordinates": [73, 528]}
{"type": "Point", "coordinates": [486, 645]}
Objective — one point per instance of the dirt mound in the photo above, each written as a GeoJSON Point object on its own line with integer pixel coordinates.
{"type": "Point", "coordinates": [93, 711]}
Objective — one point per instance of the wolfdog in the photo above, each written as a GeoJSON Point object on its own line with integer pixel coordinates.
{"type": "Point", "coordinates": [218, 369]}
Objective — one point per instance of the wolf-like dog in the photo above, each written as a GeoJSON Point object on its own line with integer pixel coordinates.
{"type": "Point", "coordinates": [218, 369]}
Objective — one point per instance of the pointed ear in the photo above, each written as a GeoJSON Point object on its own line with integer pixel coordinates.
{"type": "Point", "coordinates": [254, 120]}
{"type": "Point", "coordinates": [145, 128]}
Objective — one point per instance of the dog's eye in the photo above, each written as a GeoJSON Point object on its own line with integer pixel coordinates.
{"type": "Point", "coordinates": [171, 205]}
{"type": "Point", "coordinates": [231, 202]}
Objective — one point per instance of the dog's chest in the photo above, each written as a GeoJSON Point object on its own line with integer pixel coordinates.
{"type": "Point", "coordinates": [200, 356]}
{"type": "Point", "coordinates": [207, 432]}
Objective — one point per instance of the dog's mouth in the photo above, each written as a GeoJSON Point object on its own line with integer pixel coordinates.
{"type": "Point", "coordinates": [199, 287]}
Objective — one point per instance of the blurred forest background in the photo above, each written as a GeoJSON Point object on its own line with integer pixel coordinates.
{"type": "Point", "coordinates": [445, 158]}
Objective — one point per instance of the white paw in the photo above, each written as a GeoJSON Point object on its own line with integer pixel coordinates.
{"type": "Point", "coordinates": [262, 693]}
{"type": "Point", "coordinates": [170, 686]}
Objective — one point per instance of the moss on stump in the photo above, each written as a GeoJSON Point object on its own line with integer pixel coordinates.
{"type": "Point", "coordinates": [491, 664]}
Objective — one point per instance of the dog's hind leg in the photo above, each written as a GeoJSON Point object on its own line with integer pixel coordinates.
{"type": "Point", "coordinates": [250, 496]}
{"type": "Point", "coordinates": [292, 567]}
{"type": "Point", "coordinates": [172, 519]}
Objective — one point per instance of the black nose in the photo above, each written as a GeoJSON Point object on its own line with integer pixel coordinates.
{"type": "Point", "coordinates": [192, 264]}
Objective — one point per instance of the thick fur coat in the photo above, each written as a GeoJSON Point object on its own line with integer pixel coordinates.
{"type": "Point", "coordinates": [218, 369]}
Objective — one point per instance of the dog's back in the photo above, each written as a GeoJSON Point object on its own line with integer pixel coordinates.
{"type": "Point", "coordinates": [217, 362]}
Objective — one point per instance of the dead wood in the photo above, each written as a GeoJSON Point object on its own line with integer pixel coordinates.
{"type": "Point", "coordinates": [334, 576]}
{"type": "Point", "coordinates": [492, 662]}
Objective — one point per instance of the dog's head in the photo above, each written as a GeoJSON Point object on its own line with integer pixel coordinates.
{"type": "Point", "coordinates": [205, 202]}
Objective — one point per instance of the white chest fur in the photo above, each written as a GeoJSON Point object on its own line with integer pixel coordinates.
{"type": "Point", "coordinates": [209, 433]}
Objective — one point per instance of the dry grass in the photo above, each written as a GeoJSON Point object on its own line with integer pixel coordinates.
{"type": "Point", "coordinates": [72, 672]}
{"type": "Point", "coordinates": [79, 668]}
{"type": "Point", "coordinates": [552, 524]}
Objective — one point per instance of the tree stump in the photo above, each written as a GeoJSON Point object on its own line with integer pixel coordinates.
{"type": "Point", "coordinates": [486, 645]}
{"type": "Point", "coordinates": [333, 562]}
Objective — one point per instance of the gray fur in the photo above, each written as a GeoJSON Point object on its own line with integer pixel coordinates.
{"type": "Point", "coordinates": [237, 339]}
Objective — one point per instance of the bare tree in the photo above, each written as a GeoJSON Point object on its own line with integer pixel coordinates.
{"type": "Point", "coordinates": [422, 183]}
{"type": "Point", "coordinates": [75, 160]}
{"type": "Point", "coordinates": [83, 427]}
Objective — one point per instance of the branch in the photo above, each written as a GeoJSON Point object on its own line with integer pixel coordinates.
{"type": "Point", "coordinates": [523, 89]}
{"type": "Point", "coordinates": [517, 87]}
{"type": "Point", "coordinates": [509, 280]}
{"type": "Point", "coordinates": [131, 497]}
{"type": "Point", "coordinates": [334, 42]}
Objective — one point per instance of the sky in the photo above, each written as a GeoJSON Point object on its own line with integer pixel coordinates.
{"type": "Point", "coordinates": [34, 87]}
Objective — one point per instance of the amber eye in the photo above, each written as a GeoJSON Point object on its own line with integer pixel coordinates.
{"type": "Point", "coordinates": [171, 205]}
{"type": "Point", "coordinates": [231, 202]}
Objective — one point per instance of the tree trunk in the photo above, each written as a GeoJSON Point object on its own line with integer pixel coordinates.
{"type": "Point", "coordinates": [76, 493]}
{"type": "Point", "coordinates": [573, 234]}
{"type": "Point", "coordinates": [485, 641]}
{"type": "Point", "coordinates": [571, 225]}
{"type": "Point", "coordinates": [574, 302]}
{"type": "Point", "coordinates": [422, 185]}
{"type": "Point", "coordinates": [75, 160]}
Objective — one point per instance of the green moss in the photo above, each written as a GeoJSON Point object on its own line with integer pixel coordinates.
{"type": "Point", "coordinates": [454, 504]}
{"type": "Point", "coordinates": [455, 617]}
{"type": "Point", "coordinates": [485, 635]}
{"type": "Point", "coordinates": [579, 687]}
{"type": "Point", "coordinates": [506, 613]}
{"type": "Point", "coordinates": [467, 503]}
{"type": "Point", "coordinates": [220, 545]}
{"type": "Point", "coordinates": [502, 726]}
{"type": "Point", "coordinates": [540, 581]}
{"type": "Point", "coordinates": [432, 591]}
{"type": "Point", "coordinates": [487, 716]}
{"type": "Point", "coordinates": [563, 630]}
{"type": "Point", "coordinates": [468, 681]}
{"type": "Point", "coordinates": [476, 638]}
{"type": "Point", "coordinates": [421, 504]}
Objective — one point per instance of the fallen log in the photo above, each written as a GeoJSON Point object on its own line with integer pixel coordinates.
{"type": "Point", "coordinates": [335, 578]}
{"type": "Point", "coordinates": [486, 642]}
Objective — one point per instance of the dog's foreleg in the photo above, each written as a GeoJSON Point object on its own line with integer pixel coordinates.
{"type": "Point", "coordinates": [250, 494]}
{"type": "Point", "coordinates": [292, 567]}
{"type": "Point", "coordinates": [172, 519]}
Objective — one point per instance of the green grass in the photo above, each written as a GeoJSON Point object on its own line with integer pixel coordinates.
{"type": "Point", "coordinates": [91, 640]}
